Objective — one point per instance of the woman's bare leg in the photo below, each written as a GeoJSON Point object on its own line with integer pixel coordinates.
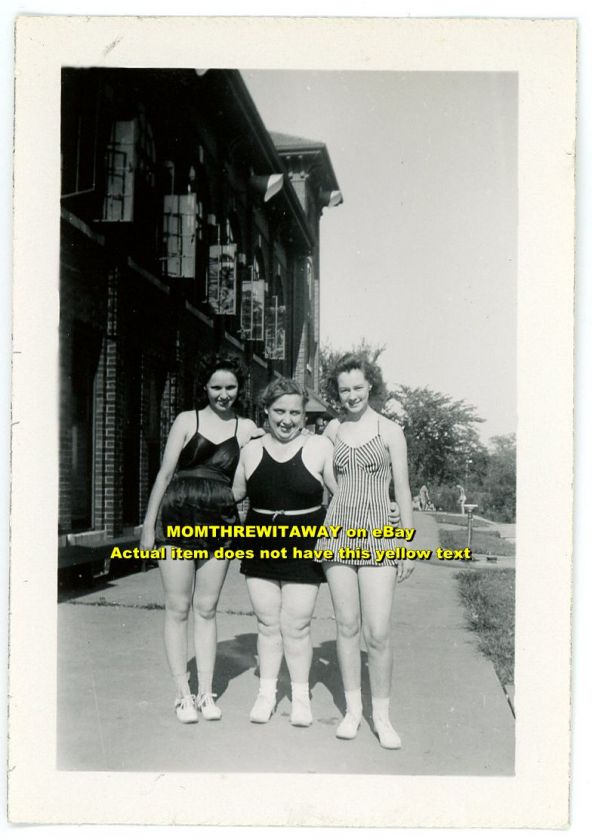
{"type": "Point", "coordinates": [377, 588]}
{"type": "Point", "coordinates": [209, 579]}
{"type": "Point", "coordinates": [266, 598]}
{"type": "Point", "coordinates": [343, 585]}
{"type": "Point", "coordinates": [177, 580]}
{"type": "Point", "coordinates": [298, 603]}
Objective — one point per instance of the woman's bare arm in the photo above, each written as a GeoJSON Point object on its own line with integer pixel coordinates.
{"type": "Point", "coordinates": [177, 438]}
{"type": "Point", "coordinates": [397, 446]}
{"type": "Point", "coordinates": [239, 484]}
{"type": "Point", "coordinates": [328, 473]}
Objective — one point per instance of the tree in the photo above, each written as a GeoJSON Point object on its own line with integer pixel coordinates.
{"type": "Point", "coordinates": [441, 432]}
{"type": "Point", "coordinates": [328, 356]}
{"type": "Point", "coordinates": [499, 484]}
{"type": "Point", "coordinates": [442, 441]}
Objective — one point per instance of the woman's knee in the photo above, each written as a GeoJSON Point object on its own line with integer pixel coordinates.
{"type": "Point", "coordinates": [268, 624]}
{"type": "Point", "coordinates": [348, 626]}
{"type": "Point", "coordinates": [377, 638]}
{"type": "Point", "coordinates": [205, 606]}
{"type": "Point", "coordinates": [177, 607]}
{"type": "Point", "coordinates": [294, 626]}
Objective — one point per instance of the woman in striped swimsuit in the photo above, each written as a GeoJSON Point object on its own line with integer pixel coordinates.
{"type": "Point", "coordinates": [370, 450]}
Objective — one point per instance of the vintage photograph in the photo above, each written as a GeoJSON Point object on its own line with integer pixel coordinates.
{"type": "Point", "coordinates": [291, 475]}
{"type": "Point", "coordinates": [291, 286]}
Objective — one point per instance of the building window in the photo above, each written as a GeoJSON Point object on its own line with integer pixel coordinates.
{"type": "Point", "coordinates": [252, 304]}
{"type": "Point", "coordinates": [275, 330]}
{"type": "Point", "coordinates": [86, 345]}
{"type": "Point", "coordinates": [79, 153]}
{"type": "Point", "coordinates": [130, 162]}
{"type": "Point", "coordinates": [223, 270]}
{"type": "Point", "coordinates": [182, 228]}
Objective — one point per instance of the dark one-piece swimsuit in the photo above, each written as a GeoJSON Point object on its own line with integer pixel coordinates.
{"type": "Point", "coordinates": [283, 486]}
{"type": "Point", "coordinates": [200, 492]}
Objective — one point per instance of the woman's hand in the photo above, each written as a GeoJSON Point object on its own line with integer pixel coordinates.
{"type": "Point", "coordinates": [394, 514]}
{"type": "Point", "coordinates": [404, 569]}
{"type": "Point", "coordinates": [147, 538]}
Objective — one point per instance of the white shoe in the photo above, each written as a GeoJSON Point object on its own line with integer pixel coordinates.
{"type": "Point", "coordinates": [185, 709]}
{"type": "Point", "coordinates": [262, 708]}
{"type": "Point", "coordinates": [387, 735]}
{"type": "Point", "coordinates": [348, 728]}
{"type": "Point", "coordinates": [205, 704]}
{"type": "Point", "coordinates": [301, 712]}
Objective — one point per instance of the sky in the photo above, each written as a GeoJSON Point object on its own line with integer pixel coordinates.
{"type": "Point", "coordinates": [421, 256]}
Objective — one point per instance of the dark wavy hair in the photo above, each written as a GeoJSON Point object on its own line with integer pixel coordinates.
{"type": "Point", "coordinates": [371, 371]}
{"type": "Point", "coordinates": [212, 363]}
{"type": "Point", "coordinates": [282, 387]}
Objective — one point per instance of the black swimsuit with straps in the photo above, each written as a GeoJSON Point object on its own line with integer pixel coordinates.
{"type": "Point", "coordinates": [283, 486]}
{"type": "Point", "coordinates": [200, 492]}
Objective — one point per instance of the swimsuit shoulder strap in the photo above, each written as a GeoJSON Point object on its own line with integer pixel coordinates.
{"type": "Point", "coordinates": [236, 426]}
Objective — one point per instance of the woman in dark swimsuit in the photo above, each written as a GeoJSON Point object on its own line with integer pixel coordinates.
{"type": "Point", "coordinates": [283, 474]}
{"type": "Point", "coordinates": [203, 448]}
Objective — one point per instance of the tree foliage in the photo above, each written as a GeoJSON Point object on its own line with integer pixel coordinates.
{"type": "Point", "coordinates": [328, 358]}
{"type": "Point", "coordinates": [442, 441]}
{"type": "Point", "coordinates": [499, 484]}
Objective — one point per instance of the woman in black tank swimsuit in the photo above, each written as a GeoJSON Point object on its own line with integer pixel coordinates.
{"type": "Point", "coordinates": [283, 474]}
{"type": "Point", "coordinates": [194, 487]}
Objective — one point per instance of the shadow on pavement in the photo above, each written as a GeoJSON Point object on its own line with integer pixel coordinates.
{"type": "Point", "coordinates": [233, 658]}
{"type": "Point", "coordinates": [237, 655]}
{"type": "Point", "coordinates": [76, 581]}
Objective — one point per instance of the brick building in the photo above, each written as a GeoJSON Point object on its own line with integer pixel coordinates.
{"type": "Point", "coordinates": [185, 228]}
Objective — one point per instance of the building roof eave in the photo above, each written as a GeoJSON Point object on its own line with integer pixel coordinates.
{"type": "Point", "coordinates": [288, 145]}
{"type": "Point", "coordinates": [269, 152]}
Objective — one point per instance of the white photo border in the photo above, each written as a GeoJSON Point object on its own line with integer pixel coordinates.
{"type": "Point", "coordinates": [543, 53]}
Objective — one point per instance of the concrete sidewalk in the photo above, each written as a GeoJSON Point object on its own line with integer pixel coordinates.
{"type": "Point", "coordinates": [115, 696]}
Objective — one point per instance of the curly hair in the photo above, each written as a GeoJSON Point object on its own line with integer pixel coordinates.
{"type": "Point", "coordinates": [371, 371]}
{"type": "Point", "coordinates": [282, 387]}
{"type": "Point", "coordinates": [212, 363]}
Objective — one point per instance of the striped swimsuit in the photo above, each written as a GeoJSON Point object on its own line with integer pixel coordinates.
{"type": "Point", "coordinates": [363, 475]}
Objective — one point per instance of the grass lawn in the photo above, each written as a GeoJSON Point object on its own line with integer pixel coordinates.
{"type": "Point", "coordinates": [458, 519]}
{"type": "Point", "coordinates": [482, 542]}
{"type": "Point", "coordinates": [488, 596]}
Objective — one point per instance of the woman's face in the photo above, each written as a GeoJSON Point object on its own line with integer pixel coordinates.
{"type": "Point", "coordinates": [222, 390]}
{"type": "Point", "coordinates": [354, 391]}
{"type": "Point", "coordinates": [286, 417]}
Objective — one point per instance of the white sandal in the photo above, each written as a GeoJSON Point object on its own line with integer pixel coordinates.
{"type": "Point", "coordinates": [185, 709]}
{"type": "Point", "coordinates": [205, 704]}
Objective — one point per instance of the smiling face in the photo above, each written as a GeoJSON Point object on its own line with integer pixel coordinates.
{"type": "Point", "coordinates": [222, 390]}
{"type": "Point", "coordinates": [286, 417]}
{"type": "Point", "coordinates": [354, 390]}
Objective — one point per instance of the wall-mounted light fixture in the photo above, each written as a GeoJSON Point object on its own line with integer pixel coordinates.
{"type": "Point", "coordinates": [330, 198]}
{"type": "Point", "coordinates": [266, 185]}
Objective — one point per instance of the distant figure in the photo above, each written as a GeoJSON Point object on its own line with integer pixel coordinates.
{"type": "Point", "coordinates": [461, 498]}
{"type": "Point", "coordinates": [424, 498]}
{"type": "Point", "coordinates": [320, 425]}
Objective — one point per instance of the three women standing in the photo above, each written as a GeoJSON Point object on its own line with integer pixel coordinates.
{"type": "Point", "coordinates": [284, 474]}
